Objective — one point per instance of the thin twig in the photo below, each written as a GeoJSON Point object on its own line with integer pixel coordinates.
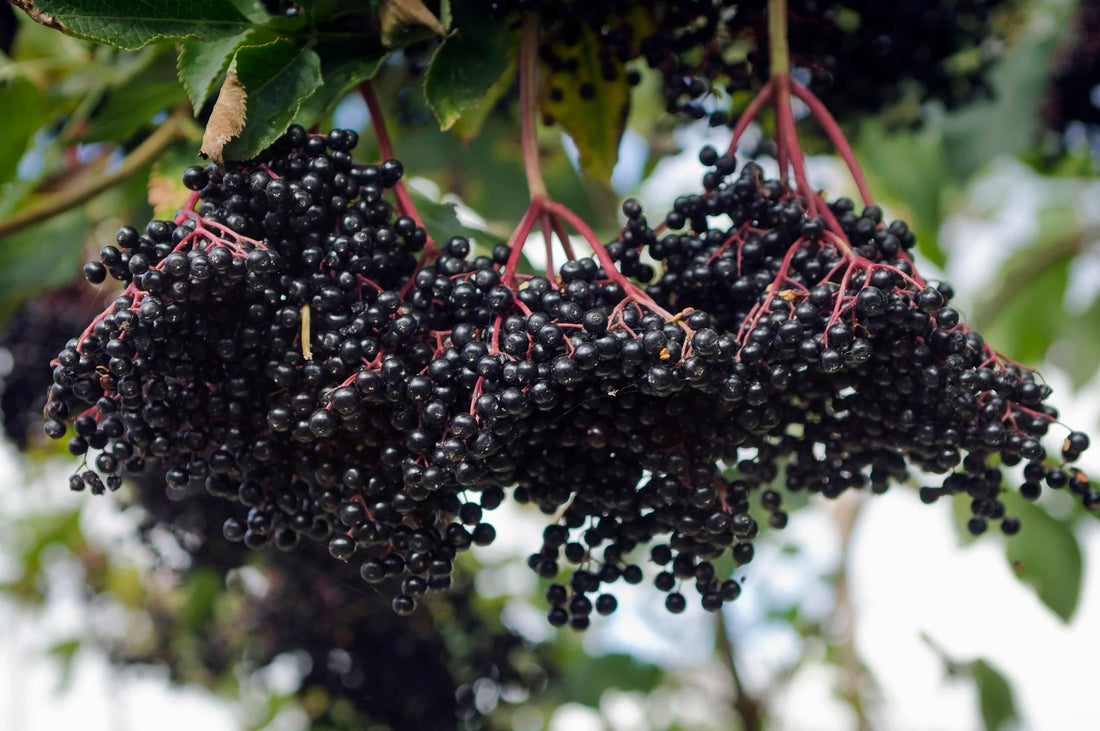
{"type": "Point", "coordinates": [748, 707]}
{"type": "Point", "coordinates": [173, 130]}
{"type": "Point", "coordinates": [33, 12]}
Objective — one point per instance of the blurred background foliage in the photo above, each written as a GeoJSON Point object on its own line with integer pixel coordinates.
{"type": "Point", "coordinates": [95, 137]}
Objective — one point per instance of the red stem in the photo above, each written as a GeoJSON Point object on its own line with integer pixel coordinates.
{"type": "Point", "coordinates": [762, 97]}
{"type": "Point", "coordinates": [385, 152]}
{"type": "Point", "coordinates": [528, 105]}
{"type": "Point", "coordinates": [787, 139]}
{"type": "Point", "coordinates": [836, 136]}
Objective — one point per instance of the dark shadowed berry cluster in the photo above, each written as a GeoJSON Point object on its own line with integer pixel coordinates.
{"type": "Point", "coordinates": [860, 55]}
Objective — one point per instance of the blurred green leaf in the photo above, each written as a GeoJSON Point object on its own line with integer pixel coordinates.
{"type": "Point", "coordinates": [1009, 122]}
{"type": "Point", "coordinates": [915, 175]}
{"type": "Point", "coordinates": [278, 77]}
{"type": "Point", "coordinates": [131, 24]}
{"type": "Point", "coordinates": [1046, 556]}
{"type": "Point", "coordinates": [41, 257]}
{"type": "Point", "coordinates": [65, 652]}
{"type": "Point", "coordinates": [131, 108]}
{"type": "Point", "coordinates": [995, 696]}
{"type": "Point", "coordinates": [203, 588]}
{"type": "Point", "coordinates": [441, 222]}
{"type": "Point", "coordinates": [1081, 356]}
{"type": "Point", "coordinates": [21, 107]}
{"type": "Point", "coordinates": [1022, 315]}
{"type": "Point", "coordinates": [466, 66]}
{"type": "Point", "coordinates": [588, 677]}
{"type": "Point", "coordinates": [44, 530]}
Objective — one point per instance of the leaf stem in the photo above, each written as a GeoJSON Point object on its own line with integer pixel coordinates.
{"type": "Point", "coordinates": [173, 130]}
{"type": "Point", "coordinates": [528, 104]}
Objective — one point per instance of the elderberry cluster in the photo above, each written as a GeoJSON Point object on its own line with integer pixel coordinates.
{"type": "Point", "coordinates": [868, 368]}
{"type": "Point", "coordinates": [860, 55]}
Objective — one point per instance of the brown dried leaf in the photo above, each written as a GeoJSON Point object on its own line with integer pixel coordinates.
{"type": "Point", "coordinates": [396, 15]}
{"type": "Point", "coordinates": [226, 119]}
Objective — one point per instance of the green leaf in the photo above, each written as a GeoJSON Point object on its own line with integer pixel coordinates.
{"type": "Point", "coordinates": [1046, 556]}
{"type": "Point", "coordinates": [278, 77]}
{"type": "Point", "coordinates": [470, 124]}
{"type": "Point", "coordinates": [589, 677]}
{"type": "Point", "coordinates": [595, 124]}
{"type": "Point", "coordinates": [203, 588]}
{"type": "Point", "coordinates": [130, 108]}
{"type": "Point", "coordinates": [466, 66]}
{"type": "Point", "coordinates": [995, 697]}
{"type": "Point", "coordinates": [344, 65]}
{"type": "Point", "coordinates": [41, 257]}
{"type": "Point", "coordinates": [441, 222]}
{"type": "Point", "coordinates": [914, 173]}
{"type": "Point", "coordinates": [1081, 355]}
{"type": "Point", "coordinates": [131, 24]}
{"type": "Point", "coordinates": [65, 652]}
{"type": "Point", "coordinates": [1009, 122]}
{"type": "Point", "coordinates": [1023, 317]}
{"type": "Point", "coordinates": [201, 63]}
{"type": "Point", "coordinates": [21, 106]}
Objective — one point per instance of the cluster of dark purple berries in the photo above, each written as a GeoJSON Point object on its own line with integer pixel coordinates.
{"type": "Point", "coordinates": [860, 55]}
{"type": "Point", "coordinates": [867, 368]}
{"type": "Point", "coordinates": [279, 343]}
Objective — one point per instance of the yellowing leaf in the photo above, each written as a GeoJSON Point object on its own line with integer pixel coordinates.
{"type": "Point", "coordinates": [226, 119]}
{"type": "Point", "coordinates": [590, 107]}
{"type": "Point", "coordinates": [397, 15]}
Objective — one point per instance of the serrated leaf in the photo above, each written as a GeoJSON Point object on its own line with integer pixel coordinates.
{"type": "Point", "coordinates": [466, 66]}
{"type": "Point", "coordinates": [131, 24]}
{"type": "Point", "coordinates": [201, 63]}
{"type": "Point", "coordinates": [1046, 556]}
{"type": "Point", "coordinates": [344, 65]}
{"type": "Point", "coordinates": [468, 126]}
{"type": "Point", "coordinates": [227, 119]}
{"type": "Point", "coordinates": [277, 77]}
{"type": "Point", "coordinates": [995, 696]}
{"type": "Point", "coordinates": [590, 108]}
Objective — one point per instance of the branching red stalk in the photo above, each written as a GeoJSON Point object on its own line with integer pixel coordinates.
{"type": "Point", "coordinates": [762, 97]}
{"type": "Point", "coordinates": [836, 136]}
